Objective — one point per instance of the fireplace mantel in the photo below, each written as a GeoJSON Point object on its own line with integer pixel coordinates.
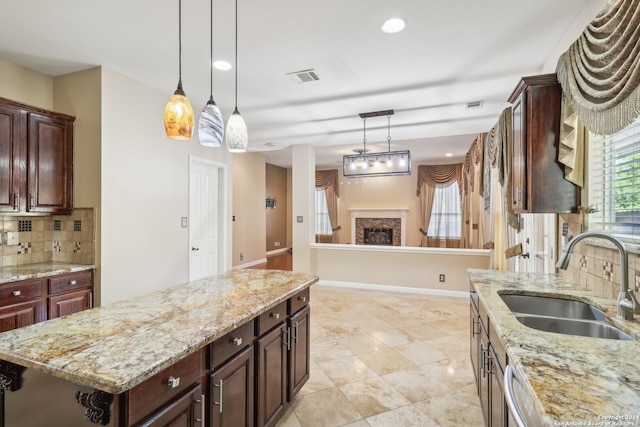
{"type": "Point", "coordinates": [380, 213]}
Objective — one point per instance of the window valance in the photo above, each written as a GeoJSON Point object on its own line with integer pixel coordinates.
{"type": "Point", "coordinates": [435, 175]}
{"type": "Point", "coordinates": [600, 72]}
{"type": "Point", "coordinates": [328, 178]}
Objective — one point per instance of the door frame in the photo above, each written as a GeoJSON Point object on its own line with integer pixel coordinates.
{"type": "Point", "coordinates": [223, 210]}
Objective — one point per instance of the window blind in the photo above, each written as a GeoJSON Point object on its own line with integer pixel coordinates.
{"type": "Point", "coordinates": [614, 182]}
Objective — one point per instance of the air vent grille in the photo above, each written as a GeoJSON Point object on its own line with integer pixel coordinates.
{"type": "Point", "coordinates": [304, 76]}
{"type": "Point", "coordinates": [474, 105]}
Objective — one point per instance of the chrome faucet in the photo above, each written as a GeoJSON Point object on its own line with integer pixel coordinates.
{"type": "Point", "coordinates": [626, 304]}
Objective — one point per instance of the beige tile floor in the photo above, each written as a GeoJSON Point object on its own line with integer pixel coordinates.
{"type": "Point", "coordinates": [387, 360]}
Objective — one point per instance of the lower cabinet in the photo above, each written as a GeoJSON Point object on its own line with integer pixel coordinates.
{"type": "Point", "coordinates": [231, 392]}
{"type": "Point", "coordinates": [271, 373]}
{"type": "Point", "coordinates": [187, 410]}
{"type": "Point", "coordinates": [488, 359]}
{"type": "Point", "coordinates": [70, 293]}
{"type": "Point", "coordinates": [299, 366]}
{"type": "Point", "coordinates": [21, 304]}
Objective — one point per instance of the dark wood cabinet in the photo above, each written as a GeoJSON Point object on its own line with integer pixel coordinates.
{"type": "Point", "coordinates": [70, 293]}
{"type": "Point", "coordinates": [231, 392]}
{"type": "Point", "coordinates": [538, 184]}
{"type": "Point", "coordinates": [186, 410]}
{"type": "Point", "coordinates": [299, 366]}
{"type": "Point", "coordinates": [271, 375]}
{"type": "Point", "coordinates": [21, 304]}
{"type": "Point", "coordinates": [488, 359]}
{"type": "Point", "coordinates": [36, 160]}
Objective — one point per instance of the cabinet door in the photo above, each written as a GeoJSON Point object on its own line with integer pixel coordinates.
{"type": "Point", "coordinates": [50, 165]}
{"type": "Point", "coordinates": [72, 302]}
{"type": "Point", "coordinates": [300, 328]}
{"type": "Point", "coordinates": [519, 159]}
{"type": "Point", "coordinates": [11, 168]}
{"type": "Point", "coordinates": [474, 341]}
{"type": "Point", "coordinates": [231, 390]}
{"type": "Point", "coordinates": [485, 377]}
{"type": "Point", "coordinates": [272, 375]}
{"type": "Point", "coordinates": [19, 315]}
{"type": "Point", "coordinates": [185, 411]}
{"type": "Point", "coordinates": [498, 410]}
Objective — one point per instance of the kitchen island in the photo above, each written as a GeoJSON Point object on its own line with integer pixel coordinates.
{"type": "Point", "coordinates": [569, 379]}
{"type": "Point", "coordinates": [106, 353]}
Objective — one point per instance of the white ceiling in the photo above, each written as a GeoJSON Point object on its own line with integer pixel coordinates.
{"type": "Point", "coordinates": [451, 53]}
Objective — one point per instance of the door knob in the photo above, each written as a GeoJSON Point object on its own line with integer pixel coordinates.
{"type": "Point", "coordinates": [195, 249]}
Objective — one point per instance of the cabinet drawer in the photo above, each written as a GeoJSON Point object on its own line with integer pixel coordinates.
{"type": "Point", "coordinates": [271, 318]}
{"type": "Point", "coordinates": [153, 393]}
{"type": "Point", "coordinates": [228, 345]}
{"type": "Point", "coordinates": [17, 292]}
{"type": "Point", "coordinates": [70, 282]}
{"type": "Point", "coordinates": [298, 301]}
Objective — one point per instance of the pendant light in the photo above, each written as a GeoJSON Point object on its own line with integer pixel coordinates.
{"type": "Point", "coordinates": [210, 124]}
{"type": "Point", "coordinates": [178, 113]}
{"type": "Point", "coordinates": [236, 138]}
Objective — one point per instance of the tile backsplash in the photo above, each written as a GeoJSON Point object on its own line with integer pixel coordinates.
{"type": "Point", "coordinates": [596, 266]}
{"type": "Point", "coordinates": [62, 238]}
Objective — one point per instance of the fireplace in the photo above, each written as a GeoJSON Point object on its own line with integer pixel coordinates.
{"type": "Point", "coordinates": [378, 236]}
{"type": "Point", "coordinates": [378, 227]}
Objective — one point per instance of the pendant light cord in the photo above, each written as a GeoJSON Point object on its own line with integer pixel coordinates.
{"type": "Point", "coordinates": [364, 136]}
{"type": "Point", "coordinates": [211, 64]}
{"type": "Point", "coordinates": [236, 66]}
{"type": "Point", "coordinates": [389, 132]}
{"type": "Point", "coordinates": [180, 42]}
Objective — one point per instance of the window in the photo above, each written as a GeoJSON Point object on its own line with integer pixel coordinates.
{"type": "Point", "coordinates": [614, 182]}
{"type": "Point", "coordinates": [323, 224]}
{"type": "Point", "coordinates": [446, 215]}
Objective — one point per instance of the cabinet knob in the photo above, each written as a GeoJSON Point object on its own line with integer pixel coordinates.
{"type": "Point", "coordinates": [16, 293]}
{"type": "Point", "coordinates": [72, 282]}
{"type": "Point", "coordinates": [237, 341]}
{"type": "Point", "coordinates": [173, 381]}
{"type": "Point", "coordinates": [275, 315]}
{"type": "Point", "coordinates": [303, 299]}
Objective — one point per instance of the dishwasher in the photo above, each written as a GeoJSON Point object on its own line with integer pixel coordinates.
{"type": "Point", "coordinates": [522, 412]}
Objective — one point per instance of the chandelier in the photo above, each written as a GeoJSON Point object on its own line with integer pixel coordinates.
{"type": "Point", "coordinates": [385, 163]}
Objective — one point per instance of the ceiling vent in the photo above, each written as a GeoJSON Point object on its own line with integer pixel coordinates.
{"type": "Point", "coordinates": [474, 105]}
{"type": "Point", "coordinates": [303, 76]}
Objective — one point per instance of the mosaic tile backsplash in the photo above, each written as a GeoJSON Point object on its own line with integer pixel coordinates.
{"type": "Point", "coordinates": [62, 238]}
{"type": "Point", "coordinates": [596, 267]}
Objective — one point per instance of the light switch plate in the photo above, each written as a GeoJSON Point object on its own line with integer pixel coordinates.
{"type": "Point", "coordinates": [299, 218]}
{"type": "Point", "coordinates": [12, 238]}
{"type": "Point", "coordinates": [184, 222]}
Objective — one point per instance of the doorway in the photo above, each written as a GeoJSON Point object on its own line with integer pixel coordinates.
{"type": "Point", "coordinates": [207, 181]}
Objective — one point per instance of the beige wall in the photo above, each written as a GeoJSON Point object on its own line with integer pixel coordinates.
{"type": "Point", "coordinates": [249, 227]}
{"type": "Point", "coordinates": [415, 268]}
{"type": "Point", "coordinates": [276, 219]}
{"type": "Point", "coordinates": [25, 85]}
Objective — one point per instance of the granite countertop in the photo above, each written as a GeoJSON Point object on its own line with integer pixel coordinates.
{"type": "Point", "coordinates": [32, 271]}
{"type": "Point", "coordinates": [575, 379]}
{"type": "Point", "coordinates": [117, 346]}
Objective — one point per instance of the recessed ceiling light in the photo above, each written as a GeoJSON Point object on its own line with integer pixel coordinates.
{"type": "Point", "coordinates": [393, 25]}
{"type": "Point", "coordinates": [222, 65]}
{"type": "Point", "coordinates": [449, 154]}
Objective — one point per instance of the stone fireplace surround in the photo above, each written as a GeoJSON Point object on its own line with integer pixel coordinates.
{"type": "Point", "coordinates": [380, 218]}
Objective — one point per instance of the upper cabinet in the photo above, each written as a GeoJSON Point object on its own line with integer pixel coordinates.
{"type": "Point", "coordinates": [538, 184]}
{"type": "Point", "coordinates": [36, 160]}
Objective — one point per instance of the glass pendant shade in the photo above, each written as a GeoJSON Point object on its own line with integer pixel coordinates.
{"type": "Point", "coordinates": [236, 134]}
{"type": "Point", "coordinates": [178, 116]}
{"type": "Point", "coordinates": [210, 125]}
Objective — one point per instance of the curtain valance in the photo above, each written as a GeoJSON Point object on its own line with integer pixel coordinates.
{"type": "Point", "coordinates": [435, 175]}
{"type": "Point", "coordinates": [600, 72]}
{"type": "Point", "coordinates": [328, 178]}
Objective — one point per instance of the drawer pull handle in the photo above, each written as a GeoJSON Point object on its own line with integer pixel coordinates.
{"type": "Point", "coordinates": [303, 299]}
{"type": "Point", "coordinates": [275, 315]}
{"type": "Point", "coordinates": [173, 382]}
{"type": "Point", "coordinates": [16, 293]}
{"type": "Point", "coordinates": [237, 341]}
{"type": "Point", "coordinates": [287, 339]}
{"type": "Point", "coordinates": [72, 282]}
{"type": "Point", "coordinates": [219, 403]}
{"type": "Point", "coordinates": [202, 403]}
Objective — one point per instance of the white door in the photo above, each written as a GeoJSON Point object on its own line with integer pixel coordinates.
{"type": "Point", "coordinates": [538, 243]}
{"type": "Point", "coordinates": [204, 219]}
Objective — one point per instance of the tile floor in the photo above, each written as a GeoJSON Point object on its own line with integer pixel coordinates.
{"type": "Point", "coordinates": [386, 359]}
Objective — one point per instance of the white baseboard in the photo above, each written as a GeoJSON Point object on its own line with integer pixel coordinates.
{"type": "Point", "coordinates": [387, 288]}
{"type": "Point", "coordinates": [249, 264]}
{"type": "Point", "coordinates": [277, 251]}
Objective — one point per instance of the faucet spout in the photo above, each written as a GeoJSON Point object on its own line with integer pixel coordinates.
{"type": "Point", "coordinates": [627, 304]}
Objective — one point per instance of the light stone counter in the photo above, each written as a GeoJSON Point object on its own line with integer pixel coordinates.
{"type": "Point", "coordinates": [574, 379]}
{"type": "Point", "coordinates": [33, 271]}
{"type": "Point", "coordinates": [115, 347]}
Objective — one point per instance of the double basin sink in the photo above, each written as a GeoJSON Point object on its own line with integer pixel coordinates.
{"type": "Point", "coordinates": [562, 316]}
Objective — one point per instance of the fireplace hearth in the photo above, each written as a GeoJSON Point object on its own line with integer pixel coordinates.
{"type": "Point", "coordinates": [378, 236]}
{"type": "Point", "coordinates": [385, 226]}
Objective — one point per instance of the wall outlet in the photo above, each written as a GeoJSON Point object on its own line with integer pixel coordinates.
{"type": "Point", "coordinates": [276, 243]}
{"type": "Point", "coordinates": [442, 277]}
{"type": "Point", "coordinates": [241, 256]}
{"type": "Point", "coordinates": [185, 222]}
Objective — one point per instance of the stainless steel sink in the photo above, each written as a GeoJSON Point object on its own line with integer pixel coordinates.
{"type": "Point", "coordinates": [555, 307]}
{"type": "Point", "coordinates": [562, 316]}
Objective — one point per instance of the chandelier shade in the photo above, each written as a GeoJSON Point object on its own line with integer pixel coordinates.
{"type": "Point", "coordinates": [237, 137]}
{"type": "Point", "coordinates": [178, 112]}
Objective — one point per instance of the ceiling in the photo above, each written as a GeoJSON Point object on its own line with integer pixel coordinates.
{"type": "Point", "coordinates": [450, 53]}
